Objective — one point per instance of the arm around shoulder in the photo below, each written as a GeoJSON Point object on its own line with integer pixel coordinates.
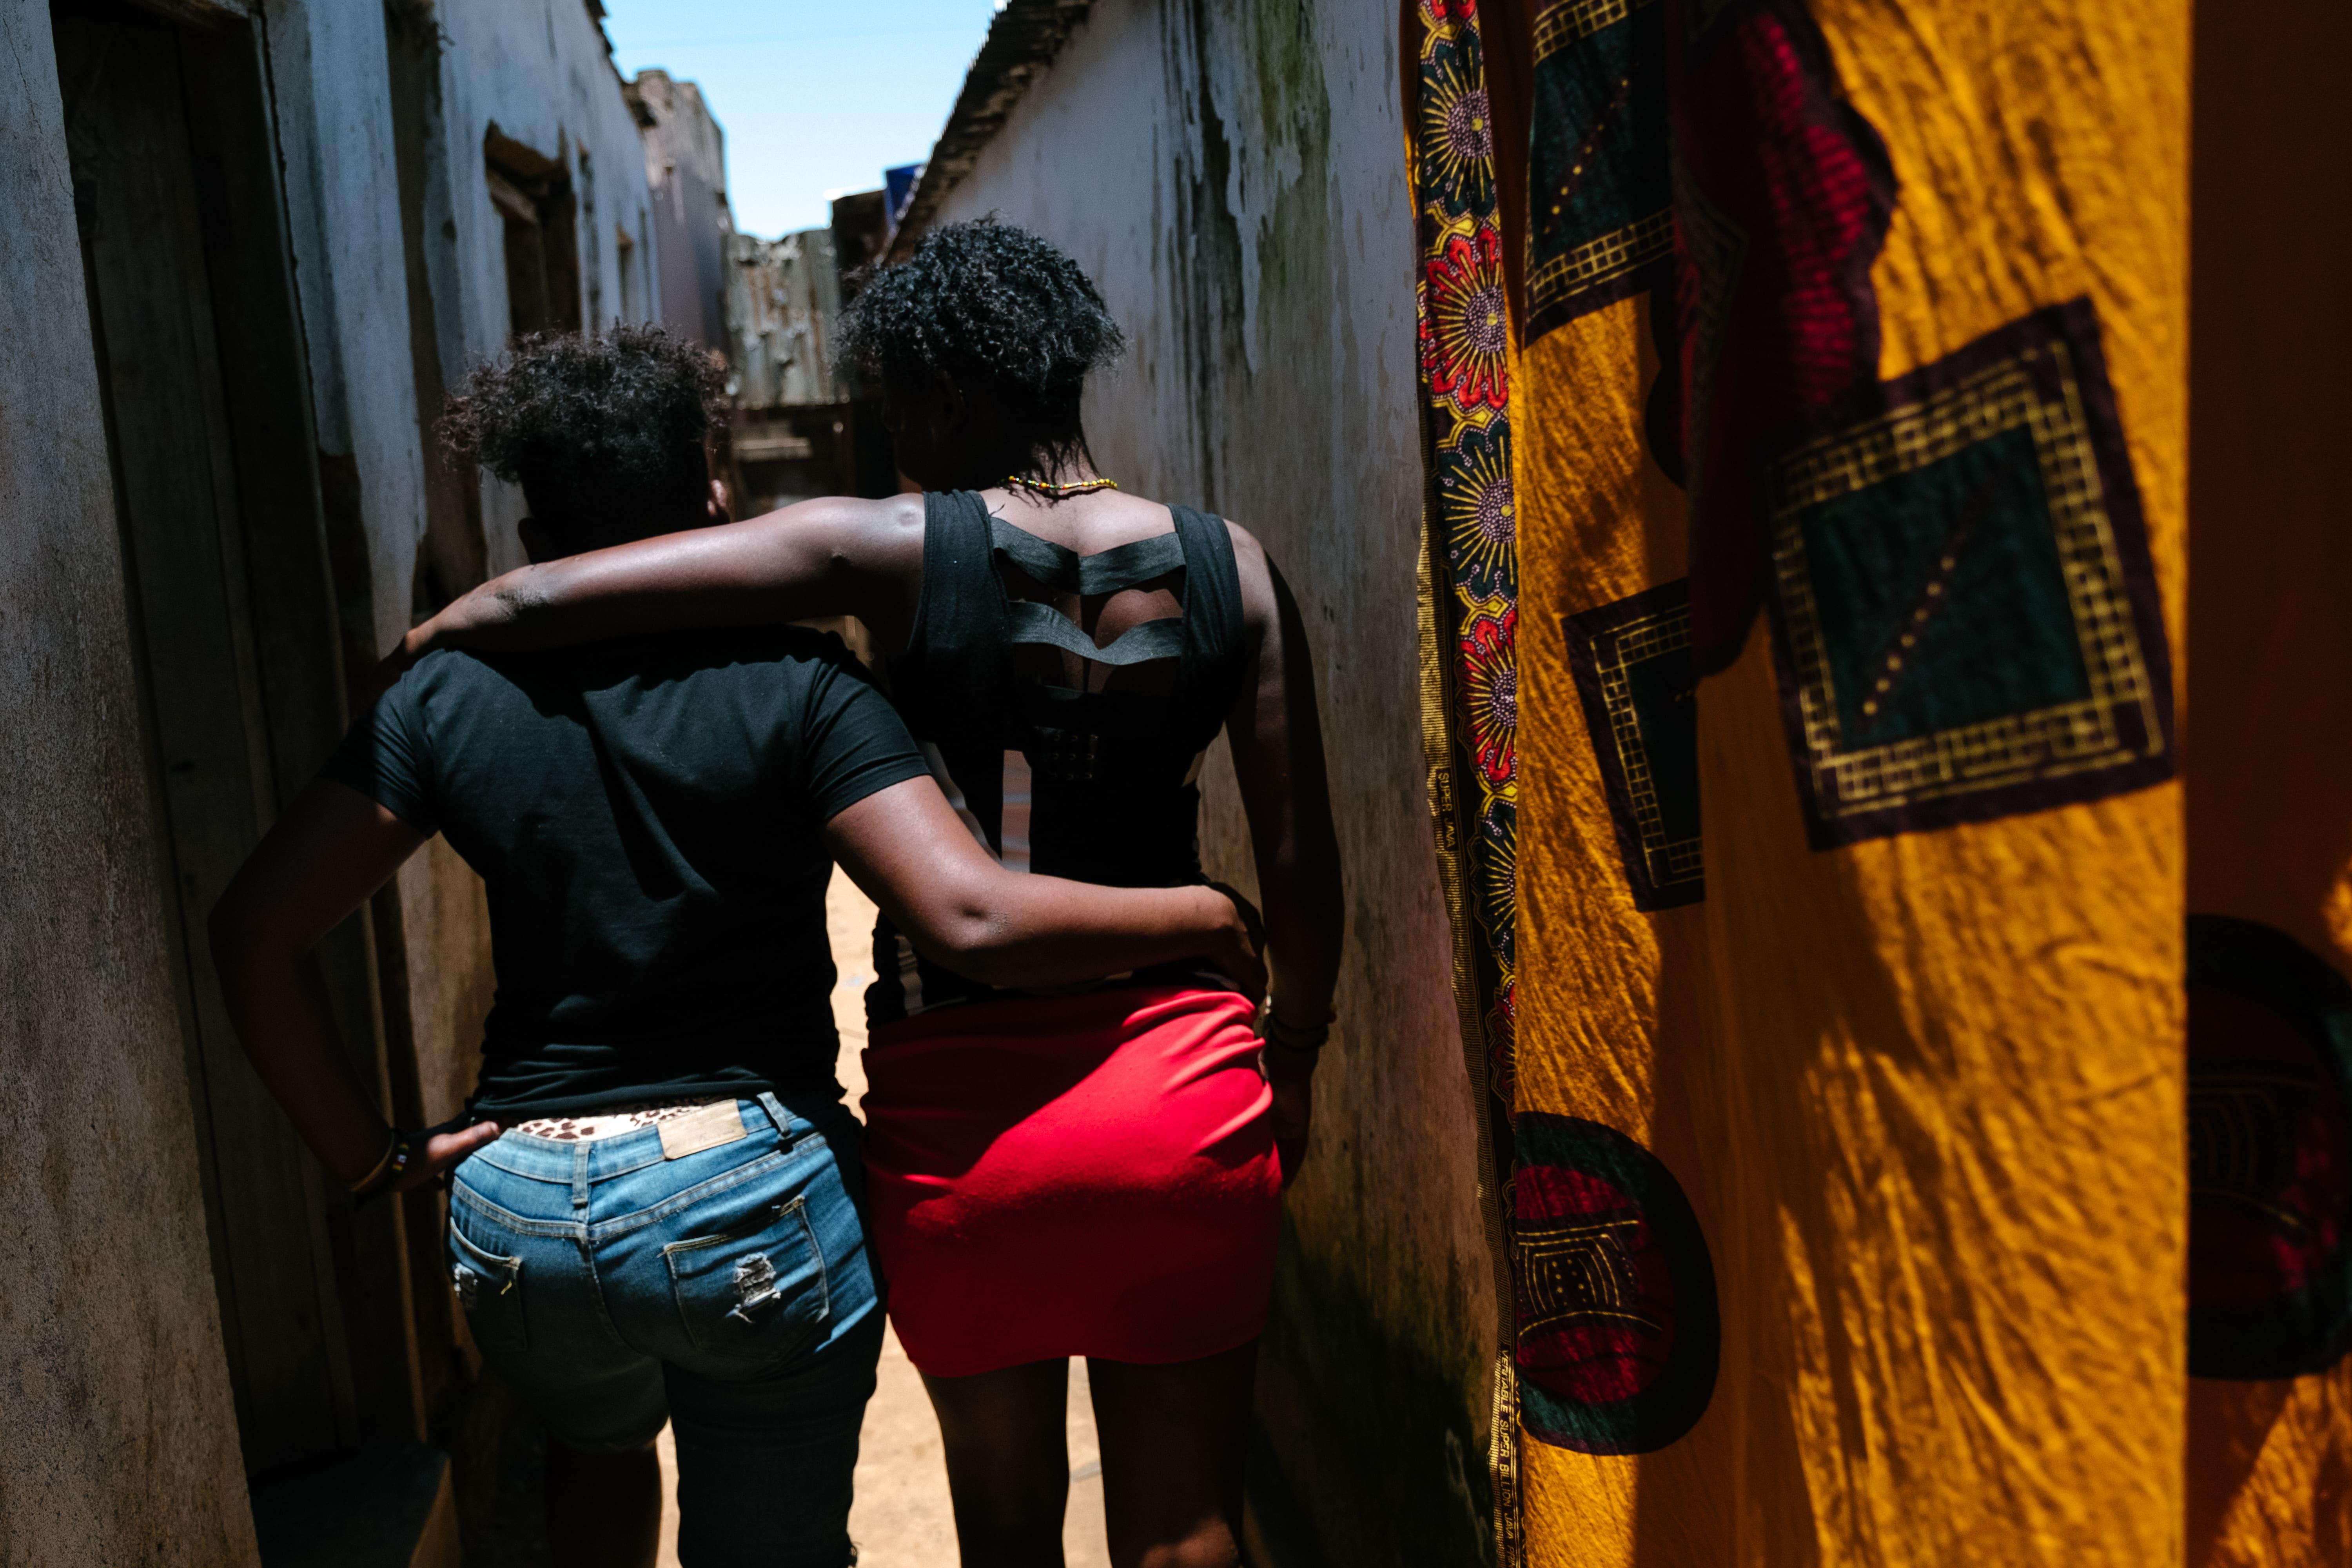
{"type": "Point", "coordinates": [834, 556]}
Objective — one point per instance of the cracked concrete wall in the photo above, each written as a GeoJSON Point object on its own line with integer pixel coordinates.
{"type": "Point", "coordinates": [117, 1440]}
{"type": "Point", "coordinates": [1232, 174]}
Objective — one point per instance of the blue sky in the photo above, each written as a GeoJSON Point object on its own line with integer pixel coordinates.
{"type": "Point", "coordinates": [815, 95]}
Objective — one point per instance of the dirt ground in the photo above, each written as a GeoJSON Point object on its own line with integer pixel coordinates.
{"type": "Point", "coordinates": [902, 1516]}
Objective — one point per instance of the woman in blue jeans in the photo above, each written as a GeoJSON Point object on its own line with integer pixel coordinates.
{"type": "Point", "coordinates": [726, 1290]}
{"type": "Point", "coordinates": [654, 1213]}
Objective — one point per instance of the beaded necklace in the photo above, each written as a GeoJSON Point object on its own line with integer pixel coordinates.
{"type": "Point", "coordinates": [1052, 492]}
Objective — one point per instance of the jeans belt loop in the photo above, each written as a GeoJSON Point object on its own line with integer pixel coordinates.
{"type": "Point", "coordinates": [579, 1175]}
{"type": "Point", "coordinates": [777, 1114]}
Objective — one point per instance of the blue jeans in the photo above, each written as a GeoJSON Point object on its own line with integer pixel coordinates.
{"type": "Point", "coordinates": [726, 1291]}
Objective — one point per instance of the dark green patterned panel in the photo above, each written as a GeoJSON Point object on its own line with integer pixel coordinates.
{"type": "Point", "coordinates": [1600, 224]}
{"type": "Point", "coordinates": [1965, 617]}
{"type": "Point", "coordinates": [1639, 690]}
{"type": "Point", "coordinates": [1918, 577]}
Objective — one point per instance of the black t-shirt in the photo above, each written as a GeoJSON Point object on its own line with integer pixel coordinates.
{"type": "Point", "coordinates": [647, 814]}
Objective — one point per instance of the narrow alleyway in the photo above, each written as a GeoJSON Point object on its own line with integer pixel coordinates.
{"type": "Point", "coordinates": [901, 1518]}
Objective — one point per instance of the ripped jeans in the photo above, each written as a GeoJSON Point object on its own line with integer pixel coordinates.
{"type": "Point", "coordinates": [725, 1290]}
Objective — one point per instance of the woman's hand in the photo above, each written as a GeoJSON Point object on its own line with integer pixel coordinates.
{"type": "Point", "coordinates": [430, 1155]}
{"type": "Point", "coordinates": [1240, 953]}
{"type": "Point", "coordinates": [445, 1151]}
{"type": "Point", "coordinates": [395, 664]}
{"type": "Point", "coordinates": [1290, 1051]}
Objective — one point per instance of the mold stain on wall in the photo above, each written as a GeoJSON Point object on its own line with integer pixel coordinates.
{"type": "Point", "coordinates": [1244, 199]}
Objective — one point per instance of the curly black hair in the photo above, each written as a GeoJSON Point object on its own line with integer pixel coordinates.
{"type": "Point", "coordinates": [605, 431]}
{"type": "Point", "coordinates": [1004, 313]}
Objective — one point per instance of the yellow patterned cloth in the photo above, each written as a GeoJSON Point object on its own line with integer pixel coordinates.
{"type": "Point", "coordinates": [1866, 958]}
{"type": "Point", "coordinates": [1843, 1181]}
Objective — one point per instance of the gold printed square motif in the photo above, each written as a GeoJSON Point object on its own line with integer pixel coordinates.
{"type": "Point", "coordinates": [1966, 619]}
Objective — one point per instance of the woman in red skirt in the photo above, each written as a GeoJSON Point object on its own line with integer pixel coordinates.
{"type": "Point", "coordinates": [1095, 1172]}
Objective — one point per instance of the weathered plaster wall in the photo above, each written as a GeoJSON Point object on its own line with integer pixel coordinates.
{"type": "Point", "coordinates": [118, 1442]}
{"type": "Point", "coordinates": [450, 980]}
{"type": "Point", "coordinates": [539, 69]}
{"type": "Point", "coordinates": [686, 168]}
{"type": "Point", "coordinates": [331, 87]}
{"type": "Point", "coordinates": [1231, 174]}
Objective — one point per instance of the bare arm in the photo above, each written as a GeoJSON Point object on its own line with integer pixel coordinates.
{"type": "Point", "coordinates": [331, 848]}
{"type": "Point", "coordinates": [836, 556]}
{"type": "Point", "coordinates": [335, 846]}
{"type": "Point", "coordinates": [1277, 742]}
{"type": "Point", "coordinates": [914, 856]}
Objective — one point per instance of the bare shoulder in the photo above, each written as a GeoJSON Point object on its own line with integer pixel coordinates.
{"type": "Point", "coordinates": [882, 536]}
{"type": "Point", "coordinates": [892, 528]}
{"type": "Point", "coordinates": [1247, 547]}
{"type": "Point", "coordinates": [1257, 573]}
{"type": "Point", "coordinates": [890, 517]}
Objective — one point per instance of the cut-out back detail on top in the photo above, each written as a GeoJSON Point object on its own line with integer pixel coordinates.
{"type": "Point", "coordinates": [1098, 786]}
{"type": "Point", "coordinates": [1056, 566]}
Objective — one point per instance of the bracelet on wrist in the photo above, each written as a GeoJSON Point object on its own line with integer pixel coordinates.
{"type": "Point", "coordinates": [1309, 1037]}
{"type": "Point", "coordinates": [1290, 1051]}
{"type": "Point", "coordinates": [391, 1143]}
{"type": "Point", "coordinates": [398, 1152]}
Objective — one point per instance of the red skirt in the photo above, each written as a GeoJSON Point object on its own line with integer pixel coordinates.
{"type": "Point", "coordinates": [1090, 1174]}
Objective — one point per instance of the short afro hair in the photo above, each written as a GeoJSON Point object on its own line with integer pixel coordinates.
{"type": "Point", "coordinates": [605, 431]}
{"type": "Point", "coordinates": [1002, 313]}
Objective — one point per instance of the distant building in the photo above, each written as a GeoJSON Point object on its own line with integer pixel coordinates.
{"type": "Point", "coordinates": [800, 427]}
{"type": "Point", "coordinates": [782, 298]}
{"type": "Point", "coordinates": [861, 229]}
{"type": "Point", "coordinates": [861, 233]}
{"type": "Point", "coordinates": [686, 168]}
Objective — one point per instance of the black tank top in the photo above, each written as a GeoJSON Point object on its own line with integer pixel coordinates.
{"type": "Point", "coordinates": [1098, 786]}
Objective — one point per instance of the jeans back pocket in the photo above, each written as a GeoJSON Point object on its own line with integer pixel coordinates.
{"type": "Point", "coordinates": [756, 1290]}
{"type": "Point", "coordinates": [489, 1287]}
